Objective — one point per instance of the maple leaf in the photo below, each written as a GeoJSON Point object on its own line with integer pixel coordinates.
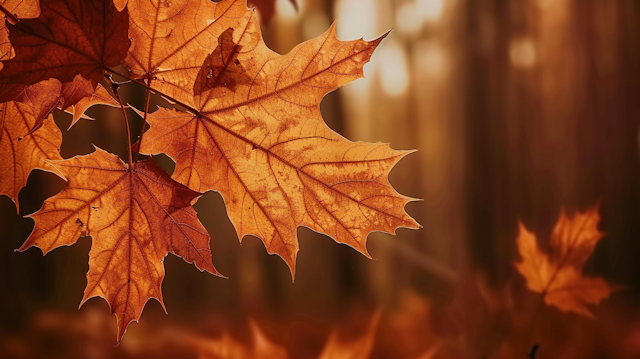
{"type": "Point", "coordinates": [23, 150]}
{"type": "Point", "coordinates": [558, 275]}
{"type": "Point", "coordinates": [42, 98]}
{"type": "Point", "coordinates": [71, 41]}
{"type": "Point", "coordinates": [171, 40]}
{"type": "Point", "coordinates": [257, 136]}
{"type": "Point", "coordinates": [100, 97]}
{"type": "Point", "coordinates": [135, 217]}
{"type": "Point", "coordinates": [120, 4]}
{"type": "Point", "coordinates": [13, 11]}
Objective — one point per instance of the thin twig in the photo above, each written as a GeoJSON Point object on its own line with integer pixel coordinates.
{"type": "Point", "coordinates": [428, 263]}
{"type": "Point", "coordinates": [114, 87]}
{"type": "Point", "coordinates": [547, 287]}
{"type": "Point", "coordinates": [148, 87]}
{"type": "Point", "coordinates": [534, 323]}
{"type": "Point", "coordinates": [144, 118]}
{"type": "Point", "coordinates": [13, 20]}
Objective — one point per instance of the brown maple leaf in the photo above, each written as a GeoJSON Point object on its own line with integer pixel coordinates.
{"type": "Point", "coordinates": [135, 217]}
{"type": "Point", "coordinates": [256, 136]}
{"type": "Point", "coordinates": [558, 274]}
{"type": "Point", "coordinates": [71, 41]}
{"type": "Point", "coordinates": [22, 149]}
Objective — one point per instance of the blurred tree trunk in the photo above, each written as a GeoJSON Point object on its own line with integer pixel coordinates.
{"type": "Point", "coordinates": [556, 130]}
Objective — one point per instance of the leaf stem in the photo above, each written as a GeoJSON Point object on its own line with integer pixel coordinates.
{"type": "Point", "coordinates": [114, 87]}
{"type": "Point", "coordinates": [547, 287]}
{"type": "Point", "coordinates": [144, 118]}
{"type": "Point", "coordinates": [534, 321]}
{"type": "Point", "coordinates": [148, 87]}
{"type": "Point", "coordinates": [10, 17]}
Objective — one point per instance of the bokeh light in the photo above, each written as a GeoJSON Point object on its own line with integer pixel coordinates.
{"type": "Point", "coordinates": [431, 10]}
{"type": "Point", "coordinates": [522, 53]}
{"type": "Point", "coordinates": [356, 19]}
{"type": "Point", "coordinates": [409, 19]}
{"type": "Point", "coordinates": [286, 11]}
{"type": "Point", "coordinates": [392, 65]}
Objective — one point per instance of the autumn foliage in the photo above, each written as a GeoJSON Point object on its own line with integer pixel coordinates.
{"type": "Point", "coordinates": [238, 119]}
{"type": "Point", "coordinates": [246, 124]}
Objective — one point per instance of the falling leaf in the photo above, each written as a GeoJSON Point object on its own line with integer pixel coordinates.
{"type": "Point", "coordinates": [23, 150]}
{"type": "Point", "coordinates": [258, 138]}
{"type": "Point", "coordinates": [70, 41]}
{"type": "Point", "coordinates": [135, 217]}
{"type": "Point", "coordinates": [558, 275]}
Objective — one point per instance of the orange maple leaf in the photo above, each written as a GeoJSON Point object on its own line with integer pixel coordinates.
{"type": "Point", "coordinates": [100, 97]}
{"type": "Point", "coordinates": [71, 41]}
{"type": "Point", "coordinates": [23, 150]}
{"type": "Point", "coordinates": [135, 217]}
{"type": "Point", "coordinates": [13, 11]}
{"type": "Point", "coordinates": [252, 131]}
{"type": "Point", "coordinates": [171, 40]}
{"type": "Point", "coordinates": [256, 136]}
{"type": "Point", "coordinates": [558, 275]}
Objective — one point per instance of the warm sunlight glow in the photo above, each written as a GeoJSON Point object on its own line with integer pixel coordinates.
{"type": "Point", "coordinates": [394, 73]}
{"type": "Point", "coordinates": [522, 53]}
{"type": "Point", "coordinates": [286, 11]}
{"type": "Point", "coordinates": [409, 19]}
{"type": "Point", "coordinates": [431, 10]}
{"type": "Point", "coordinates": [356, 19]}
{"type": "Point", "coordinates": [314, 25]}
{"type": "Point", "coordinates": [430, 58]}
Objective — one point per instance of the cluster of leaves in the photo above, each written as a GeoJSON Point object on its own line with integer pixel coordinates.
{"type": "Point", "coordinates": [247, 125]}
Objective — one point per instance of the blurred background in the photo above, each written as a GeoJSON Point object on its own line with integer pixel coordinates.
{"type": "Point", "coordinates": [517, 108]}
